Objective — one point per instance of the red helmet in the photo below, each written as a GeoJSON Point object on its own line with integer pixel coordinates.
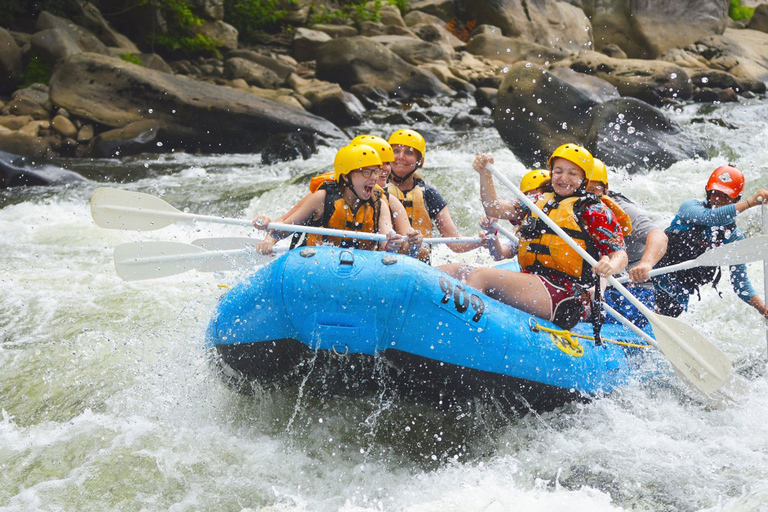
{"type": "Point", "coordinates": [728, 180]}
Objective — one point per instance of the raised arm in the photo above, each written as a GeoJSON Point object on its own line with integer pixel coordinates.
{"type": "Point", "coordinates": [493, 206]}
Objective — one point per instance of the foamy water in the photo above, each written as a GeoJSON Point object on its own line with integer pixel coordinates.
{"type": "Point", "coordinates": [110, 402]}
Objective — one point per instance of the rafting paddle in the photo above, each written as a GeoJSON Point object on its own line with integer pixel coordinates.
{"type": "Point", "coordinates": [736, 253]}
{"type": "Point", "coordinates": [123, 209]}
{"type": "Point", "coordinates": [694, 358]}
{"type": "Point", "coordinates": [150, 260]}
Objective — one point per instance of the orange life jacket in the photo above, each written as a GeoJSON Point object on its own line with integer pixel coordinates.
{"type": "Point", "coordinates": [339, 215]}
{"type": "Point", "coordinates": [619, 213]}
{"type": "Point", "coordinates": [541, 250]}
{"type": "Point", "coordinates": [416, 209]}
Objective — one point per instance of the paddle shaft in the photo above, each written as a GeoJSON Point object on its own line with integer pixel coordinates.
{"type": "Point", "coordinates": [504, 231]}
{"type": "Point", "coordinates": [589, 259]}
{"type": "Point", "coordinates": [177, 215]}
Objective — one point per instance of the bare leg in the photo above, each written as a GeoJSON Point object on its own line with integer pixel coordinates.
{"type": "Point", "coordinates": [458, 271]}
{"type": "Point", "coordinates": [522, 291]}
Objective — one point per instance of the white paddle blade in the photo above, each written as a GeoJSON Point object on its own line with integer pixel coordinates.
{"type": "Point", "coordinates": [151, 260]}
{"type": "Point", "coordinates": [744, 251]}
{"type": "Point", "coordinates": [227, 243]}
{"type": "Point", "coordinates": [696, 359]}
{"type": "Point", "coordinates": [123, 209]}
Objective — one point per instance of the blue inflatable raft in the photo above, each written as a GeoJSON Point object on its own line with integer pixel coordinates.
{"type": "Point", "coordinates": [349, 321]}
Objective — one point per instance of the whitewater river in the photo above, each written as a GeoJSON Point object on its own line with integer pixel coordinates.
{"type": "Point", "coordinates": [110, 402]}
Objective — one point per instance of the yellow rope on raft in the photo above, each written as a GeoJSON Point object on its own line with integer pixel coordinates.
{"type": "Point", "coordinates": [565, 340]}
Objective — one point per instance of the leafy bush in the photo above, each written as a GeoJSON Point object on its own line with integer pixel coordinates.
{"type": "Point", "coordinates": [133, 59]}
{"type": "Point", "coordinates": [36, 71]}
{"type": "Point", "coordinates": [739, 12]}
{"type": "Point", "coordinates": [356, 10]}
{"type": "Point", "coordinates": [180, 36]}
{"type": "Point", "coordinates": [12, 10]}
{"type": "Point", "coordinates": [254, 15]}
{"type": "Point", "coordinates": [401, 5]}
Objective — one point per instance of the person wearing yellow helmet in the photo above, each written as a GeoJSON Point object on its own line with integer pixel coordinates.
{"type": "Point", "coordinates": [646, 244]}
{"type": "Point", "coordinates": [399, 216]}
{"type": "Point", "coordinates": [554, 280]}
{"type": "Point", "coordinates": [535, 181]}
{"type": "Point", "coordinates": [425, 207]}
{"type": "Point", "coordinates": [347, 203]}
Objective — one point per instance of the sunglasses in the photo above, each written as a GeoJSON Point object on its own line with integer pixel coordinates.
{"type": "Point", "coordinates": [367, 173]}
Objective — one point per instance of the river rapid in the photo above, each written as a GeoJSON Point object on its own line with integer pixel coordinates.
{"type": "Point", "coordinates": [109, 399]}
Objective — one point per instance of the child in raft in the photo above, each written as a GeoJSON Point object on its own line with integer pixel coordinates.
{"type": "Point", "coordinates": [348, 203]}
{"type": "Point", "coordinates": [554, 282]}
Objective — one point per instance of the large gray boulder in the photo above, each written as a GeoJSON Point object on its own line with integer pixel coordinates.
{"type": "Point", "coordinates": [10, 63]}
{"type": "Point", "coordinates": [536, 112]}
{"type": "Point", "coordinates": [511, 50]}
{"type": "Point", "coordinates": [742, 53]}
{"type": "Point", "coordinates": [350, 61]}
{"type": "Point", "coordinates": [654, 82]}
{"type": "Point", "coordinates": [554, 24]}
{"type": "Point", "coordinates": [192, 115]}
{"type": "Point", "coordinates": [644, 29]}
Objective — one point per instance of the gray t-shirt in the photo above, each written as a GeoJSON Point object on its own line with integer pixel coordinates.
{"type": "Point", "coordinates": [641, 226]}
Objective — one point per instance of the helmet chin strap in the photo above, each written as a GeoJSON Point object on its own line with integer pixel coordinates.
{"type": "Point", "coordinates": [350, 186]}
{"type": "Point", "coordinates": [397, 179]}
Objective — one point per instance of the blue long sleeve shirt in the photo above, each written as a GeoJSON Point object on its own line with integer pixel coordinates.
{"type": "Point", "coordinates": [692, 214]}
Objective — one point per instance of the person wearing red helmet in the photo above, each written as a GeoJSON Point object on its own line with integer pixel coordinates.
{"type": "Point", "coordinates": [702, 225]}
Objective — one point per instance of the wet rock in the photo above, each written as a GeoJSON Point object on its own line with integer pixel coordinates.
{"type": "Point", "coordinates": [357, 60]}
{"type": "Point", "coordinates": [251, 72]}
{"type": "Point", "coordinates": [536, 112]}
{"type": "Point", "coordinates": [285, 147]}
{"type": "Point", "coordinates": [554, 25]}
{"type": "Point", "coordinates": [715, 95]}
{"type": "Point", "coordinates": [613, 50]}
{"type": "Point", "coordinates": [132, 139]}
{"type": "Point", "coordinates": [415, 51]}
{"type": "Point", "coordinates": [280, 67]}
{"type": "Point", "coordinates": [18, 171]}
{"type": "Point", "coordinates": [15, 122]}
{"type": "Point", "coordinates": [23, 144]}
{"type": "Point", "coordinates": [335, 30]}
{"type": "Point", "coordinates": [24, 106]}
{"type": "Point", "coordinates": [89, 17]}
{"type": "Point", "coordinates": [464, 121]}
{"type": "Point", "coordinates": [645, 30]}
{"type": "Point", "coordinates": [759, 20]}
{"type": "Point", "coordinates": [193, 115]}
{"type": "Point", "coordinates": [224, 33]}
{"type": "Point", "coordinates": [508, 50]}
{"type": "Point", "coordinates": [370, 96]}
{"type": "Point", "coordinates": [444, 74]}
{"type": "Point", "coordinates": [306, 43]}
{"type": "Point", "coordinates": [11, 64]}
{"type": "Point", "coordinates": [63, 126]}
{"type": "Point", "coordinates": [651, 81]}
{"type": "Point", "coordinates": [486, 97]}
{"type": "Point", "coordinates": [375, 28]}
{"type": "Point", "coordinates": [438, 34]}
{"type": "Point", "coordinates": [595, 88]}
{"type": "Point", "coordinates": [442, 9]}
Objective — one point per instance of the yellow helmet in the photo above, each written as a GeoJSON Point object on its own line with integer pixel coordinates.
{"type": "Point", "coordinates": [534, 179]}
{"type": "Point", "coordinates": [351, 158]}
{"type": "Point", "coordinates": [574, 154]}
{"type": "Point", "coordinates": [599, 172]}
{"type": "Point", "coordinates": [410, 138]}
{"type": "Point", "coordinates": [381, 146]}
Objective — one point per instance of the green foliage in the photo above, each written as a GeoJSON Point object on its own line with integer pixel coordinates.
{"type": "Point", "coordinates": [402, 5]}
{"type": "Point", "coordinates": [356, 10]}
{"type": "Point", "coordinates": [249, 16]}
{"type": "Point", "coordinates": [37, 71]}
{"type": "Point", "coordinates": [133, 59]}
{"type": "Point", "coordinates": [739, 12]}
{"type": "Point", "coordinates": [181, 22]}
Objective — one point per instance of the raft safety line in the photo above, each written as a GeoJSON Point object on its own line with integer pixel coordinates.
{"type": "Point", "coordinates": [568, 335]}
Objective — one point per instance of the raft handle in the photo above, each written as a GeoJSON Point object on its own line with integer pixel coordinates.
{"type": "Point", "coordinates": [346, 258]}
{"type": "Point", "coordinates": [346, 350]}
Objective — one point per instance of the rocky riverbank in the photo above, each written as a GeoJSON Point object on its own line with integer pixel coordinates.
{"type": "Point", "coordinates": [541, 73]}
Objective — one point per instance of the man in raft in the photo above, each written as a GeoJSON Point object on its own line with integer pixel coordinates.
{"type": "Point", "coordinates": [555, 280]}
{"type": "Point", "coordinates": [348, 203]}
{"type": "Point", "coordinates": [701, 225]}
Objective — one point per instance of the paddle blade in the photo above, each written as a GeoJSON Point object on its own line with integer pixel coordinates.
{"type": "Point", "coordinates": [743, 251]}
{"type": "Point", "coordinates": [122, 209]}
{"type": "Point", "coordinates": [697, 360]}
{"type": "Point", "coordinates": [227, 243]}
